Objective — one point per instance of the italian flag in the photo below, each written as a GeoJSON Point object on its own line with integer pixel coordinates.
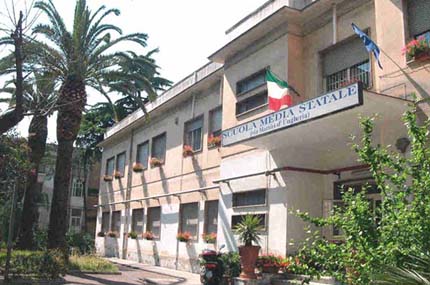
{"type": "Point", "coordinates": [278, 92]}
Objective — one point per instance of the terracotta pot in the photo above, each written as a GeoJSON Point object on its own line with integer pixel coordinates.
{"type": "Point", "coordinates": [248, 257]}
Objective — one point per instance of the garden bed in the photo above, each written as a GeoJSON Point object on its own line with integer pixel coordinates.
{"type": "Point", "coordinates": [91, 264]}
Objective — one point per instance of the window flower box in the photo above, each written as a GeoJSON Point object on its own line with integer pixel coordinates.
{"type": "Point", "coordinates": [148, 236]}
{"type": "Point", "coordinates": [184, 237]}
{"type": "Point", "coordinates": [101, 234]}
{"type": "Point", "coordinates": [132, 235]}
{"type": "Point", "coordinates": [112, 234]}
{"type": "Point", "coordinates": [107, 178]}
{"type": "Point", "coordinates": [155, 162]}
{"type": "Point", "coordinates": [138, 167]}
{"type": "Point", "coordinates": [187, 151]}
{"type": "Point", "coordinates": [117, 175]}
{"type": "Point", "coordinates": [417, 49]}
{"type": "Point", "coordinates": [214, 141]}
{"type": "Point", "coordinates": [209, 238]}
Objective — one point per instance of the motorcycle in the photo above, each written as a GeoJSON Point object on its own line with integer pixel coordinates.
{"type": "Point", "coordinates": [212, 269]}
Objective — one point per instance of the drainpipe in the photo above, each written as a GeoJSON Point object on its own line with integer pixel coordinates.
{"type": "Point", "coordinates": [334, 24]}
{"type": "Point", "coordinates": [128, 195]}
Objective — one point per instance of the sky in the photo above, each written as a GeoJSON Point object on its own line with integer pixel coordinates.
{"type": "Point", "coordinates": [186, 32]}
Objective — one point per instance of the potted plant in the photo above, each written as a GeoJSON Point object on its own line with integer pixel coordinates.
{"type": "Point", "coordinates": [214, 141]}
{"type": "Point", "coordinates": [187, 151]}
{"type": "Point", "coordinates": [107, 178]}
{"type": "Point", "coordinates": [101, 234]}
{"type": "Point", "coordinates": [184, 237]}
{"type": "Point", "coordinates": [248, 232]}
{"type": "Point", "coordinates": [138, 167]}
{"type": "Point", "coordinates": [117, 174]}
{"type": "Point", "coordinates": [112, 234]}
{"type": "Point", "coordinates": [269, 263]}
{"type": "Point", "coordinates": [132, 235]}
{"type": "Point", "coordinates": [209, 238]}
{"type": "Point", "coordinates": [148, 236]}
{"type": "Point", "coordinates": [417, 49]}
{"type": "Point", "coordinates": [155, 162]}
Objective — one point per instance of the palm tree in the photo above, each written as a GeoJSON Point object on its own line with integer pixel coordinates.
{"type": "Point", "coordinates": [80, 58]}
{"type": "Point", "coordinates": [39, 99]}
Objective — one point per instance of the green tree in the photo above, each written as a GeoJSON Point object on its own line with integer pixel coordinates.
{"type": "Point", "coordinates": [80, 58]}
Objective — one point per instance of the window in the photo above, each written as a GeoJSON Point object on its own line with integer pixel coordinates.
{"type": "Point", "coordinates": [75, 220]}
{"type": "Point", "coordinates": [77, 187]}
{"type": "Point", "coordinates": [215, 122]}
{"type": "Point", "coordinates": [346, 63]}
{"type": "Point", "coordinates": [137, 221]}
{"type": "Point", "coordinates": [110, 165]}
{"type": "Point", "coordinates": [418, 17]}
{"type": "Point", "coordinates": [211, 217]}
{"type": "Point", "coordinates": [120, 163]}
{"type": "Point", "coordinates": [143, 154]}
{"type": "Point", "coordinates": [159, 147]}
{"type": "Point", "coordinates": [93, 192]}
{"type": "Point", "coordinates": [153, 224]}
{"type": "Point", "coordinates": [116, 221]}
{"type": "Point", "coordinates": [193, 133]}
{"type": "Point", "coordinates": [189, 219]}
{"type": "Point", "coordinates": [236, 219]}
{"type": "Point", "coordinates": [251, 103]}
{"type": "Point", "coordinates": [251, 82]}
{"type": "Point", "coordinates": [249, 198]}
{"type": "Point", "coordinates": [105, 222]}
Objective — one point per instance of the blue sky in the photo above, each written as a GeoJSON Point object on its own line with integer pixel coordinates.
{"type": "Point", "coordinates": [186, 31]}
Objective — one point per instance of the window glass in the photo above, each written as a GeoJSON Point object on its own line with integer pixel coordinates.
{"type": "Point", "coordinates": [159, 147]}
{"type": "Point", "coordinates": [249, 198]}
{"type": "Point", "coordinates": [154, 221]}
{"type": "Point", "coordinates": [418, 17]}
{"type": "Point", "coordinates": [120, 163]}
{"type": "Point", "coordinates": [110, 165]}
{"type": "Point", "coordinates": [236, 219]}
{"type": "Point", "coordinates": [211, 217]}
{"type": "Point", "coordinates": [75, 220]}
{"type": "Point", "coordinates": [251, 82]}
{"type": "Point", "coordinates": [143, 154]}
{"type": "Point", "coordinates": [137, 221]}
{"type": "Point", "coordinates": [193, 133]}
{"type": "Point", "coordinates": [77, 187]}
{"type": "Point", "coordinates": [215, 122]}
{"type": "Point", "coordinates": [105, 222]}
{"type": "Point", "coordinates": [251, 103]}
{"type": "Point", "coordinates": [116, 221]}
{"type": "Point", "coordinates": [189, 220]}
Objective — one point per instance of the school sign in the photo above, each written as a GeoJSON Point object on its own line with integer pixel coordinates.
{"type": "Point", "coordinates": [336, 101]}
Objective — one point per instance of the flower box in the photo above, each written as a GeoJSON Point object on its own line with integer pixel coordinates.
{"type": "Point", "coordinates": [148, 236]}
{"type": "Point", "coordinates": [184, 237]}
{"type": "Point", "coordinates": [209, 238]}
{"type": "Point", "coordinates": [417, 49]}
{"type": "Point", "coordinates": [187, 151]}
{"type": "Point", "coordinates": [107, 178]}
{"type": "Point", "coordinates": [132, 235]}
{"type": "Point", "coordinates": [101, 234]}
{"type": "Point", "coordinates": [138, 167]}
{"type": "Point", "coordinates": [155, 162]}
{"type": "Point", "coordinates": [112, 234]}
{"type": "Point", "coordinates": [117, 175]}
{"type": "Point", "coordinates": [269, 263]}
{"type": "Point", "coordinates": [214, 141]}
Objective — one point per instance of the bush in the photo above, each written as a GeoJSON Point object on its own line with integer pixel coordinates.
{"type": "Point", "coordinates": [90, 263]}
{"type": "Point", "coordinates": [40, 264]}
{"type": "Point", "coordinates": [231, 263]}
{"type": "Point", "coordinates": [82, 243]}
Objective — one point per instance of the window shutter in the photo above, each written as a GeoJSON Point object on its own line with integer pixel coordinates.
{"type": "Point", "coordinates": [418, 16]}
{"type": "Point", "coordinates": [343, 56]}
{"type": "Point", "coordinates": [327, 231]}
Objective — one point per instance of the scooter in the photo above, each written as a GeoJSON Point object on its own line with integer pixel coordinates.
{"type": "Point", "coordinates": [212, 270]}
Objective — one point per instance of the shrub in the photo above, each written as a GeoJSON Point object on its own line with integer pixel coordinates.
{"type": "Point", "coordinates": [90, 263]}
{"type": "Point", "coordinates": [132, 235]}
{"type": "Point", "coordinates": [40, 264]}
{"type": "Point", "coordinates": [231, 264]}
{"type": "Point", "coordinates": [83, 243]}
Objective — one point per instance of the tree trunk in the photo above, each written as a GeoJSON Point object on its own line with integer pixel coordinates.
{"type": "Point", "coordinates": [71, 105]}
{"type": "Point", "coordinates": [37, 133]}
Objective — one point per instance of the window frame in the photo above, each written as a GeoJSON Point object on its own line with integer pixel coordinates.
{"type": "Point", "coordinates": [112, 158]}
{"type": "Point", "coordinates": [148, 220]}
{"type": "Point", "coordinates": [74, 217]}
{"type": "Point", "coordinates": [105, 214]}
{"type": "Point", "coordinates": [211, 119]}
{"type": "Point", "coordinates": [145, 166]}
{"type": "Point", "coordinates": [133, 216]}
{"type": "Point", "coordinates": [163, 161]}
{"type": "Point", "coordinates": [265, 220]}
{"type": "Point", "coordinates": [180, 226]}
{"type": "Point", "coordinates": [122, 173]}
{"type": "Point", "coordinates": [199, 117]}
{"type": "Point", "coordinates": [248, 78]}
{"type": "Point", "coordinates": [112, 222]}
{"type": "Point", "coordinates": [74, 184]}
{"type": "Point", "coordinates": [247, 192]}
{"type": "Point", "coordinates": [262, 93]}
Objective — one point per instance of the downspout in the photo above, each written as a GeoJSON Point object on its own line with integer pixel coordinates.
{"type": "Point", "coordinates": [334, 16]}
{"type": "Point", "coordinates": [128, 195]}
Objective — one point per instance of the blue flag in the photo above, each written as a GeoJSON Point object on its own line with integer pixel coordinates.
{"type": "Point", "coordinates": [368, 43]}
